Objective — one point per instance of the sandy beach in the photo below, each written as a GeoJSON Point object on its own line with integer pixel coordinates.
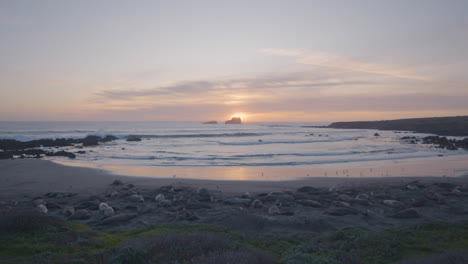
{"type": "Point", "coordinates": [326, 203]}
{"type": "Point", "coordinates": [35, 177]}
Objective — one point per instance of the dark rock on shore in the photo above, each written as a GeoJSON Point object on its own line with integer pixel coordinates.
{"type": "Point", "coordinates": [443, 142]}
{"type": "Point", "coordinates": [61, 153]}
{"type": "Point", "coordinates": [133, 138]}
{"type": "Point", "coordinates": [211, 123]}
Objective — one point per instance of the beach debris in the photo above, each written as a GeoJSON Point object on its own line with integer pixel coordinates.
{"type": "Point", "coordinates": [310, 203]}
{"type": "Point", "coordinates": [340, 211]}
{"type": "Point", "coordinates": [68, 210]}
{"type": "Point", "coordinates": [237, 201]}
{"type": "Point", "coordinates": [117, 218]}
{"type": "Point", "coordinates": [82, 214]}
{"type": "Point", "coordinates": [274, 210]}
{"type": "Point", "coordinates": [256, 204]}
{"type": "Point", "coordinates": [407, 213]}
{"type": "Point", "coordinates": [41, 209]}
{"type": "Point", "coordinates": [136, 198]}
{"type": "Point", "coordinates": [117, 183]}
{"type": "Point", "coordinates": [160, 197]}
{"type": "Point", "coordinates": [393, 203]}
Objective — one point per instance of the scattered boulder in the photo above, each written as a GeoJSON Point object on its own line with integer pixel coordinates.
{"type": "Point", "coordinates": [310, 203]}
{"type": "Point", "coordinates": [68, 210]}
{"type": "Point", "coordinates": [136, 198]}
{"type": "Point", "coordinates": [82, 214]}
{"type": "Point", "coordinates": [274, 210]}
{"type": "Point", "coordinates": [41, 209]}
{"type": "Point", "coordinates": [340, 211]}
{"type": "Point", "coordinates": [407, 213]}
{"type": "Point", "coordinates": [117, 219]}
{"type": "Point", "coordinates": [376, 135]}
{"type": "Point", "coordinates": [91, 141]}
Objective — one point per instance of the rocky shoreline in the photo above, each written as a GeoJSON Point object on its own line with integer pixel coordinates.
{"type": "Point", "coordinates": [32, 149]}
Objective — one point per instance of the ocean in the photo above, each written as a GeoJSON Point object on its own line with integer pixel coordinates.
{"type": "Point", "coordinates": [204, 145]}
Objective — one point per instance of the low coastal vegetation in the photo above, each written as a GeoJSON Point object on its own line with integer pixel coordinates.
{"type": "Point", "coordinates": [444, 126]}
{"type": "Point", "coordinates": [29, 237]}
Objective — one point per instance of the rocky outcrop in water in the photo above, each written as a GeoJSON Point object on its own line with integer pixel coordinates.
{"type": "Point", "coordinates": [234, 121]}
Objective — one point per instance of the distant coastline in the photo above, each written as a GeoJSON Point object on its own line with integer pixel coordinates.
{"type": "Point", "coordinates": [443, 126]}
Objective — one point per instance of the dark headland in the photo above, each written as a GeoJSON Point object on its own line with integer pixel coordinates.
{"type": "Point", "coordinates": [444, 126]}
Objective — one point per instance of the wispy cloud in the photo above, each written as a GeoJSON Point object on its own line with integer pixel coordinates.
{"type": "Point", "coordinates": [283, 52]}
{"type": "Point", "coordinates": [325, 59]}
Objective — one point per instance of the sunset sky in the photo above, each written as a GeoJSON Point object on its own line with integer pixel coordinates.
{"type": "Point", "coordinates": [208, 60]}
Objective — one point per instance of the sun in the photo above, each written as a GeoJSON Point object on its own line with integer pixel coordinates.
{"type": "Point", "coordinates": [240, 115]}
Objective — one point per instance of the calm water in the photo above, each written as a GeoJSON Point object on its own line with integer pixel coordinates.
{"type": "Point", "coordinates": [195, 144]}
